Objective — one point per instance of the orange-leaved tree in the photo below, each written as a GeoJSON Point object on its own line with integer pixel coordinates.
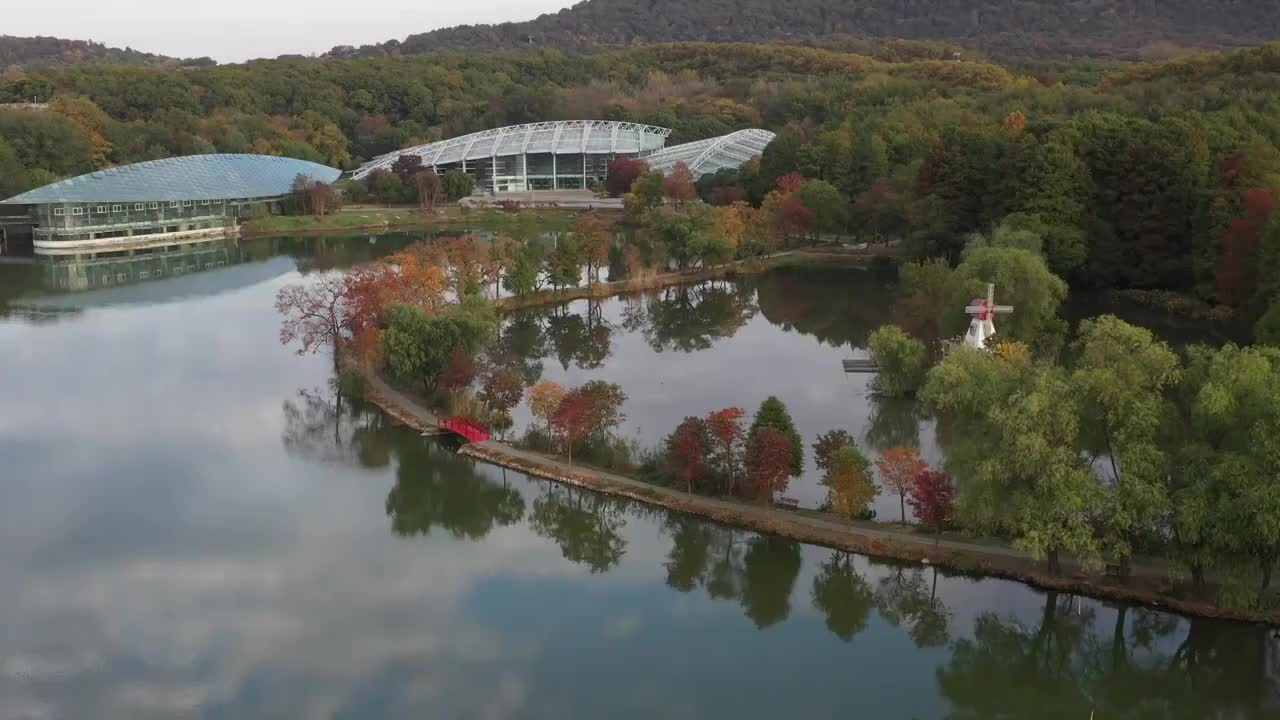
{"type": "Point", "coordinates": [593, 242]}
{"type": "Point", "coordinates": [572, 419]}
{"type": "Point", "coordinates": [544, 398]}
{"type": "Point", "coordinates": [899, 467]}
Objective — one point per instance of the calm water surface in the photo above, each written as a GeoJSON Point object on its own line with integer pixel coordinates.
{"type": "Point", "coordinates": [192, 524]}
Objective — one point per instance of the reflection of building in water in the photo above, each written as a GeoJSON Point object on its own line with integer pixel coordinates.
{"type": "Point", "coordinates": [93, 271]}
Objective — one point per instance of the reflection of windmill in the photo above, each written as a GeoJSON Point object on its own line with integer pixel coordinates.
{"type": "Point", "coordinates": [984, 311]}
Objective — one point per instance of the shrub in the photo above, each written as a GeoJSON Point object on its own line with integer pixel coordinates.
{"type": "Point", "coordinates": [901, 360]}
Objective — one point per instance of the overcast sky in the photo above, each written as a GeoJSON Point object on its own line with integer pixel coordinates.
{"type": "Point", "coordinates": [237, 30]}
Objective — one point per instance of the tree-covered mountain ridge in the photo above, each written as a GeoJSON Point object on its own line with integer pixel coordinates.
{"type": "Point", "coordinates": [1121, 28]}
{"type": "Point", "coordinates": [46, 51]}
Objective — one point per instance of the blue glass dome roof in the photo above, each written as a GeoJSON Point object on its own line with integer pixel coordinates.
{"type": "Point", "coordinates": [192, 177]}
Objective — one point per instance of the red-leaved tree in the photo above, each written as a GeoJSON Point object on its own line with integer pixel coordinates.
{"type": "Point", "coordinates": [687, 449]}
{"type": "Point", "coordinates": [460, 371]}
{"type": "Point", "coordinates": [899, 467]}
{"type": "Point", "coordinates": [1237, 273]}
{"type": "Point", "coordinates": [790, 183]}
{"type": "Point", "coordinates": [678, 186]}
{"type": "Point", "coordinates": [768, 463]}
{"type": "Point", "coordinates": [932, 499]}
{"type": "Point", "coordinates": [725, 428]}
{"type": "Point", "coordinates": [622, 175]}
{"type": "Point", "coordinates": [572, 419]}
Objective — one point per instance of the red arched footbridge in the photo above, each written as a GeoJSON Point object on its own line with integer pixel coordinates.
{"type": "Point", "coordinates": [466, 427]}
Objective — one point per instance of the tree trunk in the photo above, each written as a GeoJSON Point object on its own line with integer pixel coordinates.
{"type": "Point", "coordinates": [902, 507]}
{"type": "Point", "coordinates": [1126, 567]}
{"type": "Point", "coordinates": [1197, 575]}
{"type": "Point", "coordinates": [1118, 649]}
{"type": "Point", "coordinates": [1055, 564]}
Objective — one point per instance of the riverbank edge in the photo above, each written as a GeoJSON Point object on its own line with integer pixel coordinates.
{"type": "Point", "coordinates": [886, 543]}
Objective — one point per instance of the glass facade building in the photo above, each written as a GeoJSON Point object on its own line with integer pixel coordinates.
{"type": "Point", "coordinates": [183, 197]}
{"type": "Point", "coordinates": [569, 154]}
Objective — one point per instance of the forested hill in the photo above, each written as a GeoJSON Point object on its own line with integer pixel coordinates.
{"type": "Point", "coordinates": [1128, 28]}
{"type": "Point", "coordinates": [43, 51]}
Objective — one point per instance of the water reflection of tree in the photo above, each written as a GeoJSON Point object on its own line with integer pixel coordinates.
{"type": "Point", "coordinates": [522, 345]}
{"type": "Point", "coordinates": [438, 488]}
{"type": "Point", "coordinates": [905, 598]}
{"type": "Point", "coordinates": [323, 425]}
{"type": "Point", "coordinates": [760, 573]}
{"type": "Point", "coordinates": [585, 339]}
{"type": "Point", "coordinates": [1063, 667]}
{"type": "Point", "coordinates": [689, 318]}
{"type": "Point", "coordinates": [895, 422]}
{"type": "Point", "coordinates": [843, 596]}
{"type": "Point", "coordinates": [840, 307]}
{"type": "Point", "coordinates": [1010, 670]}
{"type": "Point", "coordinates": [587, 526]}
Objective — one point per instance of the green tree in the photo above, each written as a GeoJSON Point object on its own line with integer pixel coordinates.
{"type": "Point", "coordinates": [1023, 281]}
{"type": "Point", "coordinates": [1122, 373]}
{"type": "Point", "coordinates": [773, 414]}
{"type": "Point", "coordinates": [842, 595]}
{"type": "Point", "coordinates": [829, 206]}
{"type": "Point", "coordinates": [901, 361]}
{"type": "Point", "coordinates": [13, 176]}
{"type": "Point", "coordinates": [416, 347]}
{"type": "Point", "coordinates": [1028, 479]}
{"type": "Point", "coordinates": [457, 185]}
{"type": "Point", "coordinates": [564, 264]}
{"type": "Point", "coordinates": [522, 276]}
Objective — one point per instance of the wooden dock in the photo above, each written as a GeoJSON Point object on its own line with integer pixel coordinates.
{"type": "Point", "coordinates": [857, 365]}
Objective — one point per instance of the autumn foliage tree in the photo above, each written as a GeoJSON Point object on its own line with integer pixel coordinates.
{"type": "Point", "coordinates": [572, 419]}
{"type": "Point", "coordinates": [501, 389]}
{"type": "Point", "coordinates": [1237, 273]}
{"type": "Point", "coordinates": [622, 174]}
{"type": "Point", "coordinates": [899, 467]}
{"type": "Point", "coordinates": [544, 399]}
{"type": "Point", "coordinates": [678, 186]}
{"type": "Point", "coordinates": [828, 445]}
{"type": "Point", "coordinates": [459, 372]}
{"type": "Point", "coordinates": [688, 447]}
{"type": "Point", "coordinates": [850, 488]}
{"type": "Point", "coordinates": [593, 244]}
{"type": "Point", "coordinates": [768, 463]}
{"type": "Point", "coordinates": [932, 499]}
{"type": "Point", "coordinates": [726, 432]}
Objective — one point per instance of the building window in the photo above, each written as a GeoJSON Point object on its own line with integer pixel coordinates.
{"type": "Point", "coordinates": [116, 208]}
{"type": "Point", "coordinates": [204, 202]}
{"type": "Point", "coordinates": [143, 275]}
{"type": "Point", "coordinates": [77, 211]}
{"type": "Point", "coordinates": [153, 206]}
{"type": "Point", "coordinates": [173, 203]}
{"type": "Point", "coordinates": [102, 209]}
{"type": "Point", "coordinates": [59, 212]}
{"type": "Point", "coordinates": [186, 203]}
{"type": "Point", "coordinates": [217, 202]}
{"type": "Point", "coordinates": [139, 207]}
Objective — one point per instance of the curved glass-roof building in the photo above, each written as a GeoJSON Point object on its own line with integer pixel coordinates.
{"type": "Point", "coordinates": [707, 157]}
{"type": "Point", "coordinates": [182, 197]}
{"type": "Point", "coordinates": [569, 154]}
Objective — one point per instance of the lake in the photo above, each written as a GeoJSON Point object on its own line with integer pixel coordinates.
{"type": "Point", "coordinates": [194, 524]}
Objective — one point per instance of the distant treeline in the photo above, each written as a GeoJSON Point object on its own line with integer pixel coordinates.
{"type": "Point", "coordinates": [1160, 175]}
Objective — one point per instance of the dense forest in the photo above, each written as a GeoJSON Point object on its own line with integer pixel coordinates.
{"type": "Point", "coordinates": [1129, 28]}
{"type": "Point", "coordinates": [36, 51]}
{"type": "Point", "coordinates": [1160, 176]}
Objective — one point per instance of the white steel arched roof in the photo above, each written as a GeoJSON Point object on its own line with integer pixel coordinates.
{"type": "Point", "coordinates": [705, 157]}
{"type": "Point", "coordinates": [561, 137]}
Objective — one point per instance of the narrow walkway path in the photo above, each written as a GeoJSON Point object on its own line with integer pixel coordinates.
{"type": "Point", "coordinates": [1151, 582]}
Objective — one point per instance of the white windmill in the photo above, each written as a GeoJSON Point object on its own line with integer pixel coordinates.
{"type": "Point", "coordinates": [984, 311]}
